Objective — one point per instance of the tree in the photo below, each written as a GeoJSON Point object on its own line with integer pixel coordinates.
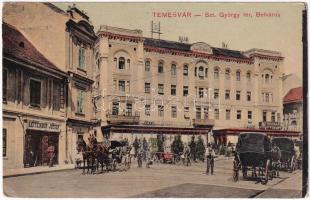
{"type": "Point", "coordinates": [177, 145]}
{"type": "Point", "coordinates": [200, 149]}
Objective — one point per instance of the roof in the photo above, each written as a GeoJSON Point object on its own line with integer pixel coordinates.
{"type": "Point", "coordinates": [294, 95]}
{"type": "Point", "coordinates": [167, 44]}
{"type": "Point", "coordinates": [187, 47]}
{"type": "Point", "coordinates": [15, 45]}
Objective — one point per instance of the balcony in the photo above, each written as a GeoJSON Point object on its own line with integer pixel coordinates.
{"type": "Point", "coordinates": [203, 122]}
{"type": "Point", "coordinates": [126, 118]}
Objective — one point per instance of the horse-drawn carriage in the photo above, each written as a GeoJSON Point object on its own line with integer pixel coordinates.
{"type": "Point", "coordinates": [253, 153]}
{"type": "Point", "coordinates": [288, 160]}
{"type": "Point", "coordinates": [112, 157]}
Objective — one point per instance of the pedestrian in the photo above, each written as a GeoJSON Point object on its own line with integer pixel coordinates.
{"type": "Point", "coordinates": [51, 154]}
{"type": "Point", "coordinates": [140, 157]}
{"type": "Point", "coordinates": [148, 158]}
{"type": "Point", "coordinates": [210, 154]}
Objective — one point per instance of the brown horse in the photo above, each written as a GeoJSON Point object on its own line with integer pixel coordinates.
{"type": "Point", "coordinates": [102, 155]}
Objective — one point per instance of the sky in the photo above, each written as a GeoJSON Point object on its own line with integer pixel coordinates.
{"type": "Point", "coordinates": [281, 32]}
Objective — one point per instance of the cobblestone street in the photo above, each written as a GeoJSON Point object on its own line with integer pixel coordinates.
{"type": "Point", "coordinates": [161, 180]}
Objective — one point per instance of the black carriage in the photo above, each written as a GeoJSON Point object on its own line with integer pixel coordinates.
{"type": "Point", "coordinates": [288, 160]}
{"type": "Point", "coordinates": [119, 155]}
{"type": "Point", "coordinates": [253, 154]}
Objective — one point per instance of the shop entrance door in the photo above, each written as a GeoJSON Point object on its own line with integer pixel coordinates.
{"type": "Point", "coordinates": [36, 144]}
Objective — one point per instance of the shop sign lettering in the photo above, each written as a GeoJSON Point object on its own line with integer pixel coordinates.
{"type": "Point", "coordinates": [44, 126]}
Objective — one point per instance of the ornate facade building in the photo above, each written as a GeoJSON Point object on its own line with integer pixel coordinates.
{"type": "Point", "coordinates": [152, 86]}
{"type": "Point", "coordinates": [65, 39]}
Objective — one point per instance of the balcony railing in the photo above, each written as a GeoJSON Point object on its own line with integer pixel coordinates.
{"type": "Point", "coordinates": [203, 122]}
{"type": "Point", "coordinates": [126, 118]}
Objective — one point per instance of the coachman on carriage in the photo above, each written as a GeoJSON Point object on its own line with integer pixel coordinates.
{"type": "Point", "coordinates": [253, 153]}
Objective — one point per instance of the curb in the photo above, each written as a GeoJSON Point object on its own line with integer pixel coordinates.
{"type": "Point", "coordinates": [33, 173]}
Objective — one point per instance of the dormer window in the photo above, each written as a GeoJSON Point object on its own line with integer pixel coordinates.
{"type": "Point", "coordinates": [82, 58]}
{"type": "Point", "coordinates": [121, 63]}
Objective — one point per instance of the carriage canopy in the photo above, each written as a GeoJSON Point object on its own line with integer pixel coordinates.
{"type": "Point", "coordinates": [253, 142]}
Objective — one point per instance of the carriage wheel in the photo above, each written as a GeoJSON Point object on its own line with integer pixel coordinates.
{"type": "Point", "coordinates": [177, 160]}
{"type": "Point", "coordinates": [266, 175]}
{"type": "Point", "coordinates": [235, 171]}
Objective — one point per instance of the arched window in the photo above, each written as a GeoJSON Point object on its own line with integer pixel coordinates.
{"type": "Point", "coordinates": [195, 71]}
{"type": "Point", "coordinates": [173, 70]}
{"type": "Point", "coordinates": [201, 72]}
{"type": "Point", "coordinates": [248, 76]}
{"type": "Point", "coordinates": [267, 78]}
{"type": "Point", "coordinates": [238, 78]}
{"type": "Point", "coordinates": [227, 74]}
{"type": "Point", "coordinates": [147, 65]}
{"type": "Point", "coordinates": [160, 67]}
{"type": "Point", "coordinates": [185, 70]}
{"type": "Point", "coordinates": [216, 73]}
{"type": "Point", "coordinates": [121, 63]}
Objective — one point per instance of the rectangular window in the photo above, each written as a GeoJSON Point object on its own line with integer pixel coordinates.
{"type": "Point", "coordinates": [160, 111]}
{"type": "Point", "coordinates": [273, 116]}
{"type": "Point", "coordinates": [128, 109]}
{"type": "Point", "coordinates": [121, 86]}
{"type": "Point", "coordinates": [216, 94]}
{"type": "Point", "coordinates": [173, 90]}
{"type": "Point", "coordinates": [200, 92]}
{"type": "Point", "coordinates": [115, 108]}
{"type": "Point", "coordinates": [264, 116]}
{"type": "Point", "coordinates": [57, 96]}
{"type": "Point", "coordinates": [147, 66]}
{"type": "Point", "coordinates": [147, 87]}
{"type": "Point", "coordinates": [278, 117]}
{"type": "Point", "coordinates": [173, 111]}
{"type": "Point", "coordinates": [161, 89]}
{"type": "Point", "coordinates": [147, 110]}
{"type": "Point", "coordinates": [249, 115]}
{"type": "Point", "coordinates": [185, 91]}
{"type": "Point", "coordinates": [227, 94]}
{"type": "Point", "coordinates": [239, 114]}
{"type": "Point", "coordinates": [216, 113]}
{"type": "Point", "coordinates": [238, 94]}
{"type": "Point", "coordinates": [4, 85]}
{"type": "Point", "coordinates": [80, 101]}
{"type": "Point", "coordinates": [267, 97]}
{"type": "Point", "coordinates": [198, 113]}
{"type": "Point", "coordinates": [248, 96]}
{"type": "Point", "coordinates": [35, 93]}
{"type": "Point", "coordinates": [206, 112]}
{"type": "Point", "coordinates": [4, 142]}
{"type": "Point", "coordinates": [82, 58]}
{"type": "Point", "coordinates": [227, 114]}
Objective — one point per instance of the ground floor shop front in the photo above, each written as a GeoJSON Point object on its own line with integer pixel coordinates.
{"type": "Point", "coordinates": [27, 138]}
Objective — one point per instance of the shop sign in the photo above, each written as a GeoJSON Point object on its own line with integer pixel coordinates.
{"type": "Point", "coordinates": [43, 126]}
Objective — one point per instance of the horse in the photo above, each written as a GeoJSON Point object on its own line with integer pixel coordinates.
{"type": "Point", "coordinates": [102, 157]}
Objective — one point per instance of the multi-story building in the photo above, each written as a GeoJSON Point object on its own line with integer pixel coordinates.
{"type": "Point", "coordinates": [67, 40]}
{"type": "Point", "coordinates": [34, 113]}
{"type": "Point", "coordinates": [293, 110]}
{"type": "Point", "coordinates": [147, 83]}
